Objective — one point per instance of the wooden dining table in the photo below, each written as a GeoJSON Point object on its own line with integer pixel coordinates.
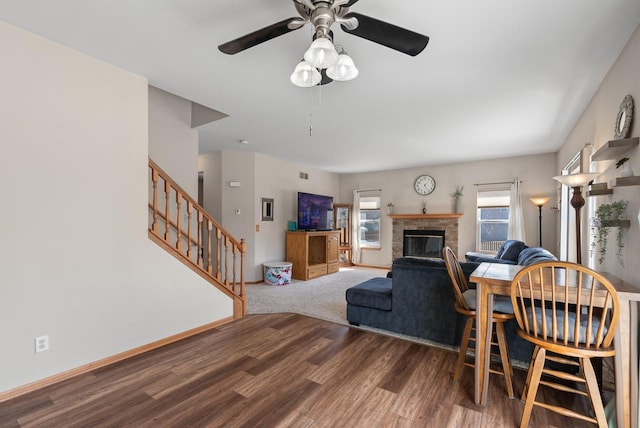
{"type": "Point", "coordinates": [495, 279]}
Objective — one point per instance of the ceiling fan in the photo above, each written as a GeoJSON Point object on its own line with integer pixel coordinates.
{"type": "Point", "coordinates": [322, 14]}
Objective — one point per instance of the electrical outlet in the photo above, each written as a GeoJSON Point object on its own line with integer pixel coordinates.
{"type": "Point", "coordinates": [42, 343]}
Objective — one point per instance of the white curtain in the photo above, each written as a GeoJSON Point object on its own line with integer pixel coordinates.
{"type": "Point", "coordinates": [516, 215]}
{"type": "Point", "coordinates": [355, 228]}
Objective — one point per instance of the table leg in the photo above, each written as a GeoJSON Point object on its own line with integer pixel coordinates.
{"type": "Point", "coordinates": [484, 326]}
{"type": "Point", "coordinates": [626, 365]}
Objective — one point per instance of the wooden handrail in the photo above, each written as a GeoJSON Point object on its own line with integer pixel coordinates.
{"type": "Point", "coordinates": [216, 256]}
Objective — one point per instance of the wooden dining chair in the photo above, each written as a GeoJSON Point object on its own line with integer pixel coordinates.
{"type": "Point", "coordinates": [466, 305]}
{"type": "Point", "coordinates": [570, 313]}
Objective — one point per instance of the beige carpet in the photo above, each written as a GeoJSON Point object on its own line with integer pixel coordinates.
{"type": "Point", "coordinates": [322, 298]}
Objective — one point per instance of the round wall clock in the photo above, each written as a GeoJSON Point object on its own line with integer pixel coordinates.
{"type": "Point", "coordinates": [424, 185]}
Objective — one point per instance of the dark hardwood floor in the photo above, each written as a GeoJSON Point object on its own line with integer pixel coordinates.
{"type": "Point", "coordinates": [277, 370]}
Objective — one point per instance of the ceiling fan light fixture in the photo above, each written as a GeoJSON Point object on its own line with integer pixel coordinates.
{"type": "Point", "coordinates": [321, 53]}
{"type": "Point", "coordinates": [344, 69]}
{"type": "Point", "coordinates": [305, 75]}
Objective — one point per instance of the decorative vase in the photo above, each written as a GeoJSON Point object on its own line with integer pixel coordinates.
{"type": "Point", "coordinates": [456, 205]}
{"type": "Point", "coordinates": [625, 170]}
{"type": "Point", "coordinates": [389, 209]}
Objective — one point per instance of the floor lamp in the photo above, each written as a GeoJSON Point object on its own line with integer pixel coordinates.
{"type": "Point", "coordinates": [576, 182]}
{"type": "Point", "coordinates": [539, 202]}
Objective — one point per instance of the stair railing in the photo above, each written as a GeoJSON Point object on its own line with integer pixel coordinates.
{"type": "Point", "coordinates": [181, 226]}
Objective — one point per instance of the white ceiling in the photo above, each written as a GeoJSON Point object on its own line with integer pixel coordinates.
{"type": "Point", "coordinates": [499, 77]}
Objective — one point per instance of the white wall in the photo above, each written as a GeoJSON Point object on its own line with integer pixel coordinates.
{"type": "Point", "coordinates": [76, 263]}
{"type": "Point", "coordinates": [280, 180]}
{"type": "Point", "coordinates": [535, 172]}
{"type": "Point", "coordinates": [210, 164]}
{"type": "Point", "coordinates": [260, 176]}
{"type": "Point", "coordinates": [596, 126]}
{"type": "Point", "coordinates": [173, 144]}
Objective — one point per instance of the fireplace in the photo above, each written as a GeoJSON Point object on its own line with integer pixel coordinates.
{"type": "Point", "coordinates": [447, 222]}
{"type": "Point", "coordinates": [423, 243]}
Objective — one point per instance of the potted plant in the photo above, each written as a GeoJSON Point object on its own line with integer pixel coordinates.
{"type": "Point", "coordinates": [457, 195]}
{"type": "Point", "coordinates": [607, 216]}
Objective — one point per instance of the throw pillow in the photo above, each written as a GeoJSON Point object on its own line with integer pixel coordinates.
{"type": "Point", "coordinates": [533, 255]}
{"type": "Point", "coordinates": [512, 249]}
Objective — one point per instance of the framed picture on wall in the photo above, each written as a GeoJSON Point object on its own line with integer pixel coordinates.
{"type": "Point", "coordinates": [267, 209]}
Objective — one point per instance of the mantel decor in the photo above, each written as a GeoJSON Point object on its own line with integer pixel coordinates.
{"type": "Point", "coordinates": [419, 216]}
{"type": "Point", "coordinates": [457, 195]}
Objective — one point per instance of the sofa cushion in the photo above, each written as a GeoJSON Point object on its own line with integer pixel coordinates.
{"type": "Point", "coordinates": [420, 262]}
{"type": "Point", "coordinates": [373, 293]}
{"type": "Point", "coordinates": [510, 250]}
{"type": "Point", "coordinates": [478, 259]}
{"type": "Point", "coordinates": [533, 255]}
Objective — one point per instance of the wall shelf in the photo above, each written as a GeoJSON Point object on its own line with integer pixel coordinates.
{"type": "Point", "coordinates": [600, 192]}
{"type": "Point", "coordinates": [628, 181]}
{"type": "Point", "coordinates": [616, 223]}
{"type": "Point", "coordinates": [614, 149]}
{"type": "Point", "coordinates": [598, 189]}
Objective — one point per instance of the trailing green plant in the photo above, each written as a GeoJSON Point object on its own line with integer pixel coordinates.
{"type": "Point", "coordinates": [604, 215]}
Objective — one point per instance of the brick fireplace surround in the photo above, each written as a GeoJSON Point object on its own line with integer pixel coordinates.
{"type": "Point", "coordinates": [446, 222]}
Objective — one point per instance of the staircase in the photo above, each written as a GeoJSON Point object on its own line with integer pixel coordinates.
{"type": "Point", "coordinates": [183, 228]}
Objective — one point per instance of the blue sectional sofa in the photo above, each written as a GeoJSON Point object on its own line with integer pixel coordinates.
{"type": "Point", "coordinates": [417, 300]}
{"type": "Point", "coordinates": [513, 252]}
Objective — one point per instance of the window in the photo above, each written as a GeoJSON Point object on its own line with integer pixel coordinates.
{"type": "Point", "coordinates": [493, 219]}
{"type": "Point", "coordinates": [369, 222]}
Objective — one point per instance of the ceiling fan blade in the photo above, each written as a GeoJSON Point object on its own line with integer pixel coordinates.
{"type": "Point", "coordinates": [259, 36]}
{"type": "Point", "coordinates": [389, 35]}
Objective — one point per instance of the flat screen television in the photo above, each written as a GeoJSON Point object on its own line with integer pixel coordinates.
{"type": "Point", "coordinates": [315, 212]}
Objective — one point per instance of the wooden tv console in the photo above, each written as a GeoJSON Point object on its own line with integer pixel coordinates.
{"type": "Point", "coordinates": [313, 254]}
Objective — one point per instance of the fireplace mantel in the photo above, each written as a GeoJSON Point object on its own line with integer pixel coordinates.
{"type": "Point", "coordinates": [425, 216]}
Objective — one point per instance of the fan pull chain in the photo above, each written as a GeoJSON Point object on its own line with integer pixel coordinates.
{"type": "Point", "coordinates": [319, 86]}
{"type": "Point", "coordinates": [311, 113]}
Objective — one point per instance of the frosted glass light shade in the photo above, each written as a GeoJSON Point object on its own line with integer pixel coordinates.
{"type": "Point", "coordinates": [305, 75]}
{"type": "Point", "coordinates": [321, 53]}
{"type": "Point", "coordinates": [539, 201]}
{"type": "Point", "coordinates": [577, 180]}
{"type": "Point", "coordinates": [344, 69]}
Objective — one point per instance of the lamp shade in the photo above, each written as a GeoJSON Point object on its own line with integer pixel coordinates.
{"type": "Point", "coordinates": [577, 180]}
{"type": "Point", "coordinates": [344, 69]}
{"type": "Point", "coordinates": [540, 200]}
{"type": "Point", "coordinates": [305, 75]}
{"type": "Point", "coordinates": [321, 53]}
